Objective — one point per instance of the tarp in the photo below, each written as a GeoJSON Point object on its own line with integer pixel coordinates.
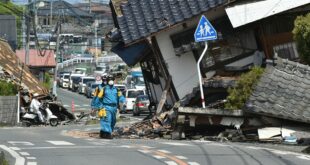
{"type": "Point", "coordinates": [132, 54]}
{"type": "Point", "coordinates": [248, 12]}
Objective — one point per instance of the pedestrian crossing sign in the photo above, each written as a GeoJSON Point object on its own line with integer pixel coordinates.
{"type": "Point", "coordinates": [205, 31]}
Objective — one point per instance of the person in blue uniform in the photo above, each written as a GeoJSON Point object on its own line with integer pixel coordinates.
{"type": "Point", "coordinates": [106, 100]}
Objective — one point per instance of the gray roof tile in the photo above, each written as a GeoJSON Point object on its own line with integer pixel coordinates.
{"type": "Point", "coordinates": [283, 92]}
{"type": "Point", "coordinates": [140, 18]}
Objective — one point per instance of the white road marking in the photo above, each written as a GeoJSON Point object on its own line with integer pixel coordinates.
{"type": "Point", "coordinates": [90, 139]}
{"type": "Point", "coordinates": [32, 163]}
{"type": "Point", "coordinates": [254, 148]}
{"type": "Point", "coordinates": [181, 157]}
{"type": "Point", "coordinates": [304, 157]}
{"type": "Point", "coordinates": [19, 160]}
{"type": "Point", "coordinates": [158, 157]}
{"type": "Point", "coordinates": [105, 140]}
{"type": "Point", "coordinates": [15, 148]}
{"type": "Point", "coordinates": [86, 105]}
{"type": "Point", "coordinates": [171, 163]}
{"type": "Point", "coordinates": [126, 146]}
{"type": "Point", "coordinates": [21, 143]}
{"type": "Point", "coordinates": [31, 158]}
{"type": "Point", "coordinates": [77, 105]}
{"type": "Point", "coordinates": [24, 153]}
{"type": "Point", "coordinates": [60, 143]}
{"type": "Point", "coordinates": [70, 147]}
{"type": "Point", "coordinates": [193, 163]}
{"type": "Point", "coordinates": [144, 151]}
{"type": "Point", "coordinates": [177, 144]}
{"type": "Point", "coordinates": [164, 151]}
{"type": "Point", "coordinates": [202, 141]}
{"type": "Point", "coordinates": [66, 105]}
{"type": "Point", "coordinates": [148, 147]}
{"type": "Point", "coordinates": [280, 152]}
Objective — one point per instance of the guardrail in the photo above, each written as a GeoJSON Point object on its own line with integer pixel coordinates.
{"type": "Point", "coordinates": [78, 60]}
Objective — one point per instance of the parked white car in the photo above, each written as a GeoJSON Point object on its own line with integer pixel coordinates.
{"type": "Point", "coordinates": [83, 82]}
{"type": "Point", "coordinates": [131, 95]}
{"type": "Point", "coordinates": [64, 81]}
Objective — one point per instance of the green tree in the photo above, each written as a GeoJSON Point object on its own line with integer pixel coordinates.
{"type": "Point", "coordinates": [7, 88]}
{"type": "Point", "coordinates": [301, 33]}
{"type": "Point", "coordinates": [47, 80]}
{"type": "Point", "coordinates": [238, 95]}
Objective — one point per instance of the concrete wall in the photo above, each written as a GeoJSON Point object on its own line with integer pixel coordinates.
{"type": "Point", "coordinates": [8, 109]}
{"type": "Point", "coordinates": [181, 68]}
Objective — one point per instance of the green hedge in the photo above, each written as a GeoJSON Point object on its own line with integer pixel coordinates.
{"type": "Point", "coordinates": [7, 88]}
{"type": "Point", "coordinates": [3, 161]}
{"type": "Point", "coordinates": [238, 95]}
{"type": "Point", "coordinates": [302, 37]}
{"type": "Point", "coordinates": [47, 81]}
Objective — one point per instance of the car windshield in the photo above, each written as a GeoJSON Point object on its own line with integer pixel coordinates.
{"type": "Point", "coordinates": [66, 76]}
{"type": "Point", "coordinates": [138, 80]}
{"type": "Point", "coordinates": [134, 94]}
{"type": "Point", "coordinates": [88, 80]}
{"type": "Point", "coordinates": [122, 88]}
{"type": "Point", "coordinates": [75, 79]}
{"type": "Point", "coordinates": [94, 86]}
{"type": "Point", "coordinates": [143, 98]}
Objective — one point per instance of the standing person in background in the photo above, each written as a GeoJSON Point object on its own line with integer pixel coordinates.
{"type": "Point", "coordinates": [106, 101]}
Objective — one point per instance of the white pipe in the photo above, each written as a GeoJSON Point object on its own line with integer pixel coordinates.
{"type": "Point", "coordinates": [200, 77]}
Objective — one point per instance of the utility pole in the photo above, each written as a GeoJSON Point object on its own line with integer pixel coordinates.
{"type": "Point", "coordinates": [96, 53]}
{"type": "Point", "coordinates": [89, 6]}
{"type": "Point", "coordinates": [58, 25]}
{"type": "Point", "coordinates": [51, 16]}
{"type": "Point", "coordinates": [28, 34]}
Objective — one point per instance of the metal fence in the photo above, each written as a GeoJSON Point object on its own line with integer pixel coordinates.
{"type": "Point", "coordinates": [78, 60]}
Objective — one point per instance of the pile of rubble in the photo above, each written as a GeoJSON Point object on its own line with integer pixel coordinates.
{"type": "Point", "coordinates": [158, 126]}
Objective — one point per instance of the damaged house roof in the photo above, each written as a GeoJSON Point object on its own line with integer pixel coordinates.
{"type": "Point", "coordinates": [36, 60]}
{"type": "Point", "coordinates": [12, 66]}
{"type": "Point", "coordinates": [140, 18]}
{"type": "Point", "coordinates": [283, 92]}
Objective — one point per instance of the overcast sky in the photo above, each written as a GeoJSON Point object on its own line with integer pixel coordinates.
{"type": "Point", "coordinates": [70, 1]}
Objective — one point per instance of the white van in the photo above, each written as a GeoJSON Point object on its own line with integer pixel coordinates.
{"type": "Point", "coordinates": [64, 80]}
{"type": "Point", "coordinates": [83, 82]}
{"type": "Point", "coordinates": [131, 95]}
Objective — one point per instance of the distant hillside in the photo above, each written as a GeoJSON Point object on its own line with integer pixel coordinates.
{"type": "Point", "coordinates": [8, 8]}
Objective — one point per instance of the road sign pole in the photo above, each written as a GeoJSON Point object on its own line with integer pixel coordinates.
{"type": "Point", "coordinates": [200, 76]}
{"type": "Point", "coordinates": [204, 32]}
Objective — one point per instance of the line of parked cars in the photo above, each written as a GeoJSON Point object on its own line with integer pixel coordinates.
{"type": "Point", "coordinates": [137, 101]}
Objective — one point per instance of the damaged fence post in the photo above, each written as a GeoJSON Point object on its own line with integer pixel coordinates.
{"type": "Point", "coordinates": [199, 75]}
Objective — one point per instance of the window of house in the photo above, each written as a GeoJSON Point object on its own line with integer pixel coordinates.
{"type": "Point", "coordinates": [286, 51]}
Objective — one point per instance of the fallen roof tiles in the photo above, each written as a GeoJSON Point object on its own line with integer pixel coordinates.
{"type": "Point", "coordinates": [283, 92]}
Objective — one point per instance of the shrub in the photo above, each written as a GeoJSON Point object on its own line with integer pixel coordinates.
{"type": "Point", "coordinates": [238, 95]}
{"type": "Point", "coordinates": [3, 161]}
{"type": "Point", "coordinates": [301, 33]}
{"type": "Point", "coordinates": [47, 80]}
{"type": "Point", "coordinates": [7, 88]}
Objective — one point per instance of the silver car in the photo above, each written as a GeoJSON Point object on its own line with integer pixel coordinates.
{"type": "Point", "coordinates": [90, 89]}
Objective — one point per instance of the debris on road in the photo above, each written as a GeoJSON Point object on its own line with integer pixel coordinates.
{"type": "Point", "coordinates": [150, 129]}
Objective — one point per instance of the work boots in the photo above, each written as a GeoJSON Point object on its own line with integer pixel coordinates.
{"type": "Point", "coordinates": [105, 135]}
